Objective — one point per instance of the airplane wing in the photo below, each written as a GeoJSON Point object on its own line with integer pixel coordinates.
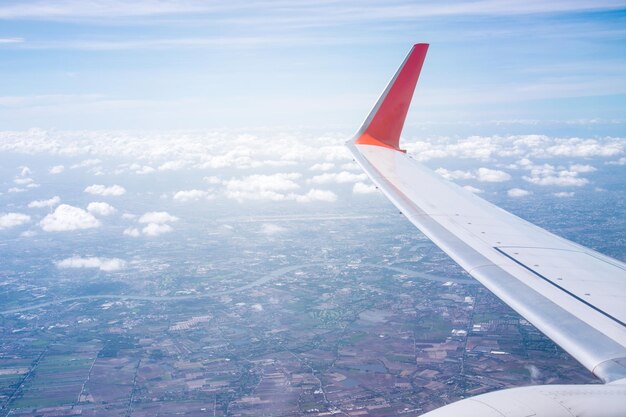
{"type": "Point", "coordinates": [574, 295]}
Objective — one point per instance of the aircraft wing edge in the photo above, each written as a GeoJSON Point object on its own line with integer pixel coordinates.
{"type": "Point", "coordinates": [600, 354]}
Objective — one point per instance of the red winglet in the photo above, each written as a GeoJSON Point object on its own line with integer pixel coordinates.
{"type": "Point", "coordinates": [384, 123]}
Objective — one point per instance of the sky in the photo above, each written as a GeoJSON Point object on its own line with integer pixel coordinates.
{"type": "Point", "coordinates": [508, 67]}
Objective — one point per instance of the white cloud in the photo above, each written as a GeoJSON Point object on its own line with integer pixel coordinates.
{"type": "Point", "coordinates": [491, 175]}
{"type": "Point", "coordinates": [190, 195]}
{"type": "Point", "coordinates": [262, 187]}
{"type": "Point", "coordinates": [66, 218]}
{"type": "Point", "coordinates": [517, 192]}
{"type": "Point", "coordinates": [323, 166]}
{"type": "Point", "coordinates": [222, 149]}
{"type": "Point", "coordinates": [155, 229]}
{"type": "Point", "coordinates": [337, 177]}
{"type": "Point", "coordinates": [157, 217]}
{"type": "Point", "coordinates": [23, 181]}
{"type": "Point", "coordinates": [16, 190]}
{"type": "Point", "coordinates": [103, 264]}
{"type": "Point", "coordinates": [272, 229]}
{"type": "Point", "coordinates": [564, 194]}
{"type": "Point", "coordinates": [315, 195]}
{"type": "Point", "coordinates": [132, 231]}
{"type": "Point", "coordinates": [25, 171]}
{"type": "Point", "coordinates": [12, 220]}
{"type": "Point", "coordinates": [57, 169]}
{"type": "Point", "coordinates": [362, 188]}
{"type": "Point", "coordinates": [473, 189]}
{"type": "Point", "coordinates": [584, 148]}
{"type": "Point", "coordinates": [103, 209]}
{"type": "Point", "coordinates": [454, 175]}
{"type": "Point", "coordinates": [212, 180]}
{"type": "Point", "coordinates": [98, 189]}
{"type": "Point", "coordinates": [172, 165]}
{"type": "Point", "coordinates": [582, 168]}
{"type": "Point", "coordinates": [142, 169]}
{"type": "Point", "coordinates": [547, 175]}
{"type": "Point", "coordinates": [51, 202]}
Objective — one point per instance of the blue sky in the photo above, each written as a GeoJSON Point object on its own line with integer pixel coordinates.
{"type": "Point", "coordinates": [493, 67]}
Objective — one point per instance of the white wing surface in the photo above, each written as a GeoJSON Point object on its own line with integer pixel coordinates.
{"type": "Point", "coordinates": [574, 295]}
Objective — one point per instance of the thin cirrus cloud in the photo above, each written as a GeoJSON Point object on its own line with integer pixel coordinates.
{"type": "Point", "coordinates": [305, 10]}
{"type": "Point", "coordinates": [103, 264]}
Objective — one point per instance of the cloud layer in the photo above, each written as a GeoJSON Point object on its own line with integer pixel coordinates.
{"type": "Point", "coordinates": [103, 264]}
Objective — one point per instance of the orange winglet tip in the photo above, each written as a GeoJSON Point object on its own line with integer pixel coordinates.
{"type": "Point", "coordinates": [366, 139]}
{"type": "Point", "coordinates": [386, 120]}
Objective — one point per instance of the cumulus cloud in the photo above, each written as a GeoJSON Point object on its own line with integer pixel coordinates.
{"type": "Point", "coordinates": [190, 195]}
{"type": "Point", "coordinates": [212, 180]}
{"type": "Point", "coordinates": [547, 175]}
{"type": "Point", "coordinates": [362, 188]}
{"type": "Point", "coordinates": [315, 195]}
{"type": "Point", "coordinates": [564, 194]}
{"type": "Point", "coordinates": [262, 187]}
{"type": "Point", "coordinates": [132, 232]}
{"type": "Point", "coordinates": [57, 169]}
{"type": "Point", "coordinates": [66, 218]}
{"type": "Point", "coordinates": [172, 165]}
{"type": "Point", "coordinates": [103, 264]}
{"type": "Point", "coordinates": [582, 168]}
{"type": "Point", "coordinates": [155, 229]}
{"type": "Point", "coordinates": [454, 175]}
{"type": "Point", "coordinates": [142, 169]}
{"type": "Point", "coordinates": [517, 192]}
{"type": "Point", "coordinates": [491, 175]}
{"type": "Point", "coordinates": [103, 209]}
{"type": "Point", "coordinates": [12, 220]}
{"type": "Point", "coordinates": [51, 202]}
{"type": "Point", "coordinates": [337, 177]}
{"type": "Point", "coordinates": [16, 190]}
{"type": "Point", "coordinates": [323, 166]}
{"type": "Point", "coordinates": [157, 217]}
{"type": "Point", "coordinates": [222, 149]}
{"type": "Point", "coordinates": [473, 189]}
{"type": "Point", "coordinates": [520, 146]}
{"type": "Point", "coordinates": [98, 189]}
